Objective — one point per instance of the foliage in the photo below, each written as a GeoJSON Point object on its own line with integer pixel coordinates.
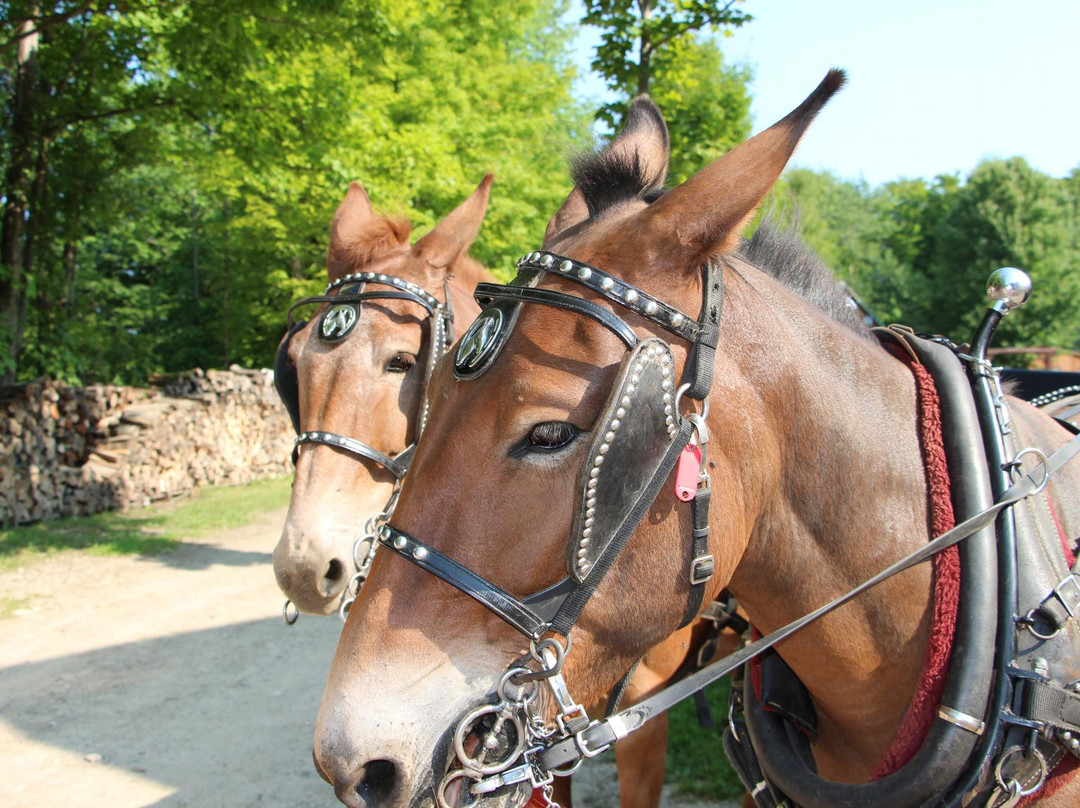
{"type": "Point", "coordinates": [920, 252]}
{"type": "Point", "coordinates": [197, 153]}
{"type": "Point", "coordinates": [696, 763]}
{"type": "Point", "coordinates": [146, 531]}
{"type": "Point", "coordinates": [662, 47]}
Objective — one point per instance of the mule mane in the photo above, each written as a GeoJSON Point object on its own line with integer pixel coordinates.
{"type": "Point", "coordinates": [378, 236]}
{"type": "Point", "coordinates": [608, 178]}
{"type": "Point", "coordinates": [779, 251]}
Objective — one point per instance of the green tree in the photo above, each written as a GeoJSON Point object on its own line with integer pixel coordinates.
{"type": "Point", "coordinates": [663, 47]}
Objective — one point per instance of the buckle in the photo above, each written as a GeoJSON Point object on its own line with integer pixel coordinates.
{"type": "Point", "coordinates": [701, 569]}
{"type": "Point", "coordinates": [1068, 593]}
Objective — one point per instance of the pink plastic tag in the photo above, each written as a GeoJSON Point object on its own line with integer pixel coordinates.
{"type": "Point", "coordinates": [687, 472]}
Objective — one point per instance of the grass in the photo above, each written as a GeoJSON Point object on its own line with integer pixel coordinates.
{"type": "Point", "coordinates": [146, 531]}
{"type": "Point", "coordinates": [696, 764]}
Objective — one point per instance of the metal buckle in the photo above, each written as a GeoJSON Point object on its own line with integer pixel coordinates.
{"type": "Point", "coordinates": [701, 569]}
{"type": "Point", "coordinates": [1060, 589]}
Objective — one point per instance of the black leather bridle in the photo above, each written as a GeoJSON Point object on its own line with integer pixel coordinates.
{"type": "Point", "coordinates": [558, 607]}
{"type": "Point", "coordinates": [342, 296]}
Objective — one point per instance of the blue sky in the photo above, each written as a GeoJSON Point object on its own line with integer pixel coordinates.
{"type": "Point", "coordinates": [934, 87]}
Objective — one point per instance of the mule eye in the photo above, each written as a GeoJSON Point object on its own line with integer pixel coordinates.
{"type": "Point", "coordinates": [401, 363]}
{"type": "Point", "coordinates": [551, 435]}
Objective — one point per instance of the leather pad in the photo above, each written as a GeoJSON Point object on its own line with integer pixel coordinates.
{"type": "Point", "coordinates": [631, 436]}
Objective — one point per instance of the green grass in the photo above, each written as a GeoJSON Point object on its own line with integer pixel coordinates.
{"type": "Point", "coordinates": [8, 606]}
{"type": "Point", "coordinates": [696, 764]}
{"type": "Point", "coordinates": [146, 531]}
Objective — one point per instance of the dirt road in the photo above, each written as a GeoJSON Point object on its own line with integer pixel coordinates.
{"type": "Point", "coordinates": [170, 682]}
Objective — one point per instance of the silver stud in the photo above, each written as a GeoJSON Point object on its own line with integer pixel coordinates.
{"type": "Point", "coordinates": [584, 273]}
{"type": "Point", "coordinates": [592, 485]}
{"type": "Point", "coordinates": [599, 461]}
{"type": "Point", "coordinates": [588, 522]}
{"type": "Point", "coordinates": [625, 401]}
{"type": "Point", "coordinates": [651, 307]}
{"type": "Point", "coordinates": [590, 502]}
{"type": "Point", "coordinates": [583, 543]}
{"type": "Point", "coordinates": [635, 377]}
{"type": "Point", "coordinates": [566, 265]}
{"type": "Point", "coordinates": [382, 277]}
{"type": "Point", "coordinates": [604, 448]}
{"type": "Point", "coordinates": [585, 569]}
{"type": "Point", "coordinates": [667, 409]}
{"type": "Point", "coordinates": [581, 553]}
{"type": "Point", "coordinates": [606, 284]}
{"type": "Point", "coordinates": [665, 384]}
{"type": "Point", "coordinates": [630, 389]}
{"type": "Point", "coordinates": [419, 553]}
{"type": "Point", "coordinates": [586, 533]}
{"type": "Point", "coordinates": [615, 424]}
{"type": "Point", "coordinates": [547, 260]}
{"type": "Point", "coordinates": [594, 472]}
{"type": "Point", "coordinates": [1066, 736]}
{"type": "Point", "coordinates": [590, 511]}
{"type": "Point", "coordinates": [1074, 744]}
{"type": "Point", "coordinates": [665, 372]}
{"type": "Point", "coordinates": [631, 296]}
{"type": "Point", "coordinates": [666, 359]}
{"type": "Point", "coordinates": [399, 542]}
{"type": "Point", "coordinates": [609, 437]}
{"type": "Point", "coordinates": [677, 319]}
{"type": "Point", "coordinates": [667, 398]}
{"type": "Point", "coordinates": [620, 412]}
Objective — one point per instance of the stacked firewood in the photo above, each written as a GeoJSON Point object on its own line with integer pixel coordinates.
{"type": "Point", "coordinates": [77, 450]}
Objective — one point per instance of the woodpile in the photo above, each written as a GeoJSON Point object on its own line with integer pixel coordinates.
{"type": "Point", "coordinates": [67, 451]}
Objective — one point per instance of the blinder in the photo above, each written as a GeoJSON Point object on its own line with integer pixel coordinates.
{"type": "Point", "coordinates": [630, 438]}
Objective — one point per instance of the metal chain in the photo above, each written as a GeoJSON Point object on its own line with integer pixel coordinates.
{"type": "Point", "coordinates": [513, 714]}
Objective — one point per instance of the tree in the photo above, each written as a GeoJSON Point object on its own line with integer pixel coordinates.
{"type": "Point", "coordinates": [661, 47]}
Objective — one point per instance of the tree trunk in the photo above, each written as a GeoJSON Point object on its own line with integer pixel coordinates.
{"type": "Point", "coordinates": [644, 47]}
{"type": "Point", "coordinates": [17, 188]}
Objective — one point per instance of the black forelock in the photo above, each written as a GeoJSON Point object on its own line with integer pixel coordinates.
{"type": "Point", "coordinates": [608, 178]}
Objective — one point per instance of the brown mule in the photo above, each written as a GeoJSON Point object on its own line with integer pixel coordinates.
{"type": "Point", "coordinates": [816, 464]}
{"type": "Point", "coordinates": [367, 384]}
{"type": "Point", "coordinates": [381, 362]}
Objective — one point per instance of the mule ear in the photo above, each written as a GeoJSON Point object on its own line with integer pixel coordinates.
{"type": "Point", "coordinates": [452, 236]}
{"type": "Point", "coordinates": [705, 216]}
{"type": "Point", "coordinates": [353, 216]}
{"type": "Point", "coordinates": [642, 141]}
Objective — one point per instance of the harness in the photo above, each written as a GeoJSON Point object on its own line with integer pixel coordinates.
{"type": "Point", "coordinates": [998, 737]}
{"type": "Point", "coordinates": [343, 299]}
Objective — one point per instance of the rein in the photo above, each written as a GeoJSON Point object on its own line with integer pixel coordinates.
{"type": "Point", "coordinates": [334, 325]}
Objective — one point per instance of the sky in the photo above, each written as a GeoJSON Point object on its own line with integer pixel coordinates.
{"type": "Point", "coordinates": [933, 87]}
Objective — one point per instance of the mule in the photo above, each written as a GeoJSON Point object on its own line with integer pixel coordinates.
{"type": "Point", "coordinates": [366, 384]}
{"type": "Point", "coordinates": [381, 361]}
{"type": "Point", "coordinates": [823, 473]}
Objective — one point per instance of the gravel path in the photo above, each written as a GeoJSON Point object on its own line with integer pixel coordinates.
{"type": "Point", "coordinates": [171, 682]}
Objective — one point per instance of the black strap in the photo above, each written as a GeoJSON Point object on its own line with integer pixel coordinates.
{"type": "Point", "coordinates": [702, 565]}
{"type": "Point", "coordinates": [360, 298]}
{"type": "Point", "coordinates": [503, 604]}
{"type": "Point", "coordinates": [560, 300]}
{"type": "Point", "coordinates": [699, 367]}
{"type": "Point", "coordinates": [1052, 705]}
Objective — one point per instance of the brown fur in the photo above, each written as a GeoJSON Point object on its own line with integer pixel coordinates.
{"type": "Point", "coordinates": [817, 479]}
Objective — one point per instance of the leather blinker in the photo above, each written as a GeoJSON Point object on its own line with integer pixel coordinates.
{"type": "Point", "coordinates": [631, 437]}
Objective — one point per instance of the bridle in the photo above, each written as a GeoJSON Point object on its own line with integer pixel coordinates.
{"type": "Point", "coordinates": [343, 299]}
{"type": "Point", "coordinates": [641, 431]}
{"type": "Point", "coordinates": [529, 749]}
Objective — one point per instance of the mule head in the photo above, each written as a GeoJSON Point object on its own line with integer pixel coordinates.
{"type": "Point", "coordinates": [360, 371]}
{"type": "Point", "coordinates": [497, 483]}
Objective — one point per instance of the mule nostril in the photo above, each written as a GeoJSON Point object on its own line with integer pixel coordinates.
{"type": "Point", "coordinates": [335, 571]}
{"type": "Point", "coordinates": [376, 782]}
